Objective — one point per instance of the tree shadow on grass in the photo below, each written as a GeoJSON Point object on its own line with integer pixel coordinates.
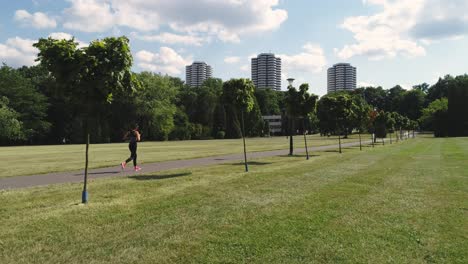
{"type": "Point", "coordinates": [159, 177]}
{"type": "Point", "coordinates": [250, 163]}
{"type": "Point", "coordinates": [299, 156]}
{"type": "Point", "coordinates": [337, 150]}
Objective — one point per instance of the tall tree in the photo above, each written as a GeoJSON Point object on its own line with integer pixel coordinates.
{"type": "Point", "coordinates": [440, 89]}
{"type": "Point", "coordinates": [393, 98]}
{"type": "Point", "coordinates": [238, 94]}
{"type": "Point", "coordinates": [93, 75]}
{"type": "Point", "coordinates": [435, 117]}
{"type": "Point", "coordinates": [156, 105]}
{"type": "Point", "coordinates": [335, 112]}
{"type": "Point", "coordinates": [458, 107]}
{"type": "Point", "coordinates": [412, 104]}
{"type": "Point", "coordinates": [374, 96]}
{"type": "Point", "coordinates": [299, 104]}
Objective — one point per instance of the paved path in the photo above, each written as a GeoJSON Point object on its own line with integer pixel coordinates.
{"type": "Point", "coordinates": [77, 176]}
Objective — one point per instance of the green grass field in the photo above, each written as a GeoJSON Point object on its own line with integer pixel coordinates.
{"type": "Point", "coordinates": [18, 161]}
{"type": "Point", "coordinates": [401, 203]}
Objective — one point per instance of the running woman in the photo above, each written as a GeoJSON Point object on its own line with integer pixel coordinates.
{"type": "Point", "coordinates": [133, 136]}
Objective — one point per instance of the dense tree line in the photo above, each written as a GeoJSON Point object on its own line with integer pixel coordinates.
{"type": "Point", "coordinates": [39, 105]}
{"type": "Point", "coordinates": [35, 110]}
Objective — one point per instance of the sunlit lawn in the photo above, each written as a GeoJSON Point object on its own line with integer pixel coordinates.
{"type": "Point", "coordinates": [42, 159]}
{"type": "Point", "coordinates": [401, 203]}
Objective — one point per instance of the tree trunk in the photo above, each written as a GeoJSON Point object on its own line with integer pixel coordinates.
{"type": "Point", "coordinates": [360, 142]}
{"type": "Point", "coordinates": [243, 139]}
{"type": "Point", "coordinates": [390, 138]}
{"type": "Point", "coordinates": [84, 195]}
{"type": "Point", "coordinates": [383, 141]}
{"type": "Point", "coordinates": [305, 139]}
{"type": "Point", "coordinates": [372, 140]}
{"type": "Point", "coordinates": [339, 141]}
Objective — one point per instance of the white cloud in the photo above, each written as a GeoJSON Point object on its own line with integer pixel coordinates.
{"type": "Point", "coordinates": [37, 20]}
{"type": "Point", "coordinates": [402, 26]}
{"type": "Point", "coordinates": [383, 35]}
{"type": "Point", "coordinates": [227, 20]}
{"type": "Point", "coordinates": [170, 38]}
{"type": "Point", "coordinates": [17, 52]}
{"type": "Point", "coordinates": [167, 61]}
{"type": "Point", "coordinates": [231, 59]}
{"type": "Point", "coordinates": [311, 60]}
{"type": "Point", "coordinates": [245, 68]}
{"type": "Point", "coordinates": [63, 35]}
{"type": "Point", "coordinates": [88, 16]}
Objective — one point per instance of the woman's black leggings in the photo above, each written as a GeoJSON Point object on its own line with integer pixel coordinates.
{"type": "Point", "coordinates": [133, 153]}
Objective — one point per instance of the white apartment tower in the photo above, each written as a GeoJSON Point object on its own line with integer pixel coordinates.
{"type": "Point", "coordinates": [266, 71]}
{"type": "Point", "coordinates": [341, 77]}
{"type": "Point", "coordinates": [197, 73]}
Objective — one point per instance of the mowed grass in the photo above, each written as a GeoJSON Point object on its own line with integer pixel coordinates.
{"type": "Point", "coordinates": [401, 203]}
{"type": "Point", "coordinates": [29, 160]}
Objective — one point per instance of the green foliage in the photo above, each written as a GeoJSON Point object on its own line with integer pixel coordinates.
{"type": "Point", "coordinates": [182, 126]}
{"type": "Point", "coordinates": [435, 117]}
{"type": "Point", "coordinates": [269, 101]}
{"type": "Point", "coordinates": [412, 104]}
{"type": "Point", "coordinates": [10, 127]}
{"type": "Point", "coordinates": [341, 112]}
{"type": "Point", "coordinates": [29, 104]}
{"type": "Point", "coordinates": [237, 98]}
{"type": "Point", "coordinates": [91, 76]}
{"type": "Point", "coordinates": [239, 93]}
{"type": "Point", "coordinates": [458, 106]}
{"type": "Point", "coordinates": [380, 124]}
{"type": "Point", "coordinates": [254, 125]}
{"type": "Point", "coordinates": [156, 108]}
{"type": "Point", "coordinates": [390, 122]}
{"type": "Point", "coordinates": [220, 134]}
{"type": "Point", "coordinates": [73, 86]}
{"type": "Point", "coordinates": [374, 96]}
{"type": "Point", "coordinates": [394, 98]}
{"type": "Point", "coordinates": [440, 89]}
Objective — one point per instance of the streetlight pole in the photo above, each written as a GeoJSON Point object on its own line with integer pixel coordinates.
{"type": "Point", "coordinates": [291, 123]}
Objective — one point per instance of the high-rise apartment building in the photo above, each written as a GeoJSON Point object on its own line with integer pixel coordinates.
{"type": "Point", "coordinates": [197, 73]}
{"type": "Point", "coordinates": [341, 77]}
{"type": "Point", "coordinates": [266, 71]}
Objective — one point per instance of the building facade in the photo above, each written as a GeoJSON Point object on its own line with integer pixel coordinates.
{"type": "Point", "coordinates": [266, 71]}
{"type": "Point", "coordinates": [274, 123]}
{"type": "Point", "coordinates": [197, 73]}
{"type": "Point", "coordinates": [341, 77]}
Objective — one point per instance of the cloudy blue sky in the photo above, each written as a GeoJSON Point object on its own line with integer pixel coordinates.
{"type": "Point", "coordinates": [391, 42]}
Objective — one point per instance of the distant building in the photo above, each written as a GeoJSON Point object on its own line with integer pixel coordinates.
{"type": "Point", "coordinates": [341, 77]}
{"type": "Point", "coordinates": [197, 73]}
{"type": "Point", "coordinates": [274, 123]}
{"type": "Point", "coordinates": [266, 71]}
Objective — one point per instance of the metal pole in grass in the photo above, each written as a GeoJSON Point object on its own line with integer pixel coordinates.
{"type": "Point", "coordinates": [390, 138]}
{"type": "Point", "coordinates": [383, 141]}
{"type": "Point", "coordinates": [243, 139]}
{"type": "Point", "coordinates": [372, 139]}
